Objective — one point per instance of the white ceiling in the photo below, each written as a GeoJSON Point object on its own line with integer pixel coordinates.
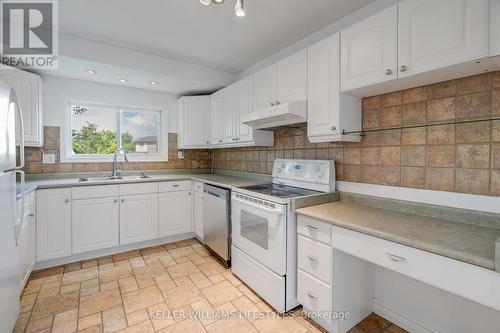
{"type": "Point", "coordinates": [210, 36]}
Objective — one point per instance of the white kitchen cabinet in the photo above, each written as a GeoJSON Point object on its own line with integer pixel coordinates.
{"type": "Point", "coordinates": [138, 218]}
{"type": "Point", "coordinates": [229, 115]}
{"type": "Point", "coordinates": [53, 212]}
{"type": "Point", "coordinates": [329, 110]}
{"type": "Point", "coordinates": [194, 129]}
{"type": "Point", "coordinates": [95, 224]}
{"type": "Point", "coordinates": [175, 212]}
{"type": "Point", "coordinates": [27, 240]}
{"type": "Point", "coordinates": [369, 50]}
{"type": "Point", "coordinates": [198, 214]}
{"type": "Point", "coordinates": [28, 87]}
{"type": "Point", "coordinates": [291, 78]}
{"type": "Point", "coordinates": [244, 106]}
{"type": "Point", "coordinates": [264, 87]}
{"type": "Point", "coordinates": [216, 112]}
{"type": "Point", "coordinates": [437, 34]}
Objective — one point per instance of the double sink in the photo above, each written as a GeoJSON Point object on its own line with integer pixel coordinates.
{"type": "Point", "coordinates": [112, 178]}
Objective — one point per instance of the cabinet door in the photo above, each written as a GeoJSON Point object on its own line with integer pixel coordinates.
{"type": "Point", "coordinates": [28, 88]}
{"type": "Point", "coordinates": [244, 105]}
{"type": "Point", "coordinates": [435, 34]}
{"type": "Point", "coordinates": [264, 87]}
{"type": "Point", "coordinates": [228, 115]}
{"type": "Point", "coordinates": [369, 50]}
{"type": "Point", "coordinates": [138, 218]}
{"type": "Point", "coordinates": [95, 224]}
{"type": "Point", "coordinates": [291, 78]}
{"type": "Point", "coordinates": [216, 109]}
{"type": "Point", "coordinates": [53, 223]}
{"type": "Point", "coordinates": [27, 248]}
{"type": "Point", "coordinates": [175, 213]}
{"type": "Point", "coordinates": [196, 129]}
{"type": "Point", "coordinates": [323, 87]}
{"type": "Point", "coordinates": [198, 214]}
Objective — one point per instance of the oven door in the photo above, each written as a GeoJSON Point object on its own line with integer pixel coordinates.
{"type": "Point", "coordinates": [259, 230]}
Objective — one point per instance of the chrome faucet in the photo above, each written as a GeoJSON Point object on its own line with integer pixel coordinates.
{"type": "Point", "coordinates": [117, 173]}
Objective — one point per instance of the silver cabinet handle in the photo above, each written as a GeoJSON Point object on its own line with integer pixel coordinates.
{"type": "Point", "coordinates": [272, 104]}
{"type": "Point", "coordinates": [175, 185]}
{"type": "Point", "coordinates": [311, 295]}
{"type": "Point", "coordinates": [333, 128]}
{"type": "Point", "coordinates": [395, 258]}
{"type": "Point", "coordinates": [115, 201]}
{"type": "Point", "coordinates": [388, 72]}
{"type": "Point", "coordinates": [404, 68]}
{"type": "Point", "coordinates": [310, 227]}
{"type": "Point", "coordinates": [123, 200]}
{"type": "Point", "coordinates": [66, 201]}
{"type": "Point", "coordinates": [278, 103]}
{"type": "Point", "coordinates": [208, 142]}
{"type": "Point", "coordinates": [220, 140]}
{"type": "Point", "coordinates": [312, 258]}
{"type": "Point", "coordinates": [31, 215]}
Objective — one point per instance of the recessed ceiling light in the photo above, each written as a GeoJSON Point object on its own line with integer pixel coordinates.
{"type": "Point", "coordinates": [239, 8]}
{"type": "Point", "coordinates": [154, 83]}
{"type": "Point", "coordinates": [90, 71]}
{"type": "Point", "coordinates": [206, 2]}
{"type": "Point", "coordinates": [218, 2]}
{"type": "Point", "coordinates": [122, 80]}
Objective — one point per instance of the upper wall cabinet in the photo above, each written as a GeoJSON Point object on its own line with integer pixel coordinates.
{"type": "Point", "coordinates": [495, 30]}
{"type": "Point", "coordinates": [28, 88]}
{"type": "Point", "coordinates": [329, 110]}
{"type": "Point", "coordinates": [369, 50]}
{"type": "Point", "coordinates": [229, 115]}
{"type": "Point", "coordinates": [283, 82]}
{"type": "Point", "coordinates": [436, 34]}
{"type": "Point", "coordinates": [215, 122]}
{"type": "Point", "coordinates": [193, 121]}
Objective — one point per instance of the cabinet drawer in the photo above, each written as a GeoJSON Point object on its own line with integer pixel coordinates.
{"type": "Point", "coordinates": [313, 294]}
{"type": "Point", "coordinates": [198, 187]}
{"type": "Point", "coordinates": [314, 229]}
{"type": "Point", "coordinates": [91, 192]}
{"type": "Point", "coordinates": [448, 274]}
{"type": "Point", "coordinates": [133, 189]}
{"type": "Point", "coordinates": [315, 258]}
{"type": "Point", "coordinates": [183, 185]}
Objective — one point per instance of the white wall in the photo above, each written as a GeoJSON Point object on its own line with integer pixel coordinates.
{"type": "Point", "coordinates": [57, 89]}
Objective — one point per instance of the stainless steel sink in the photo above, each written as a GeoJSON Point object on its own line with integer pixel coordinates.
{"type": "Point", "coordinates": [111, 179]}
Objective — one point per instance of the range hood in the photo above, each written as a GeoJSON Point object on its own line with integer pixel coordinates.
{"type": "Point", "coordinates": [284, 114]}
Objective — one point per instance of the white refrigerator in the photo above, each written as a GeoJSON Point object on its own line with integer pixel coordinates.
{"type": "Point", "coordinates": [10, 116]}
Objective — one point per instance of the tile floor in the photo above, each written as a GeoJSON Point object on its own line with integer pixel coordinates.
{"type": "Point", "coordinates": [177, 287]}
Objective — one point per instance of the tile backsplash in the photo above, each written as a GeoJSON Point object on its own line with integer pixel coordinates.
{"type": "Point", "coordinates": [193, 159]}
{"type": "Point", "coordinates": [459, 157]}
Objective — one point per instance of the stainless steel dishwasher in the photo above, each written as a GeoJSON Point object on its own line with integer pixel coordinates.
{"type": "Point", "coordinates": [217, 221]}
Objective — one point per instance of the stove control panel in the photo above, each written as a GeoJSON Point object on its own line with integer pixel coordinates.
{"type": "Point", "coordinates": [308, 171]}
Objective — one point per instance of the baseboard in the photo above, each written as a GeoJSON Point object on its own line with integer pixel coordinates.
{"type": "Point", "coordinates": [404, 321]}
{"type": "Point", "coordinates": [111, 251]}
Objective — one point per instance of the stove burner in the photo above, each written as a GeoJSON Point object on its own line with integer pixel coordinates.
{"type": "Point", "coordinates": [280, 191]}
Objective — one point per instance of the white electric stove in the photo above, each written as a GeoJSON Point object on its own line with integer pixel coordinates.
{"type": "Point", "coordinates": [264, 232]}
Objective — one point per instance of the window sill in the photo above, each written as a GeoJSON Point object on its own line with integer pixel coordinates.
{"type": "Point", "coordinates": [110, 159]}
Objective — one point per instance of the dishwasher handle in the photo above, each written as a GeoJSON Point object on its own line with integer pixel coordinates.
{"type": "Point", "coordinates": [213, 194]}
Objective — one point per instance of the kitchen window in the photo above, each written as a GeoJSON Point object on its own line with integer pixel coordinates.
{"type": "Point", "coordinates": [94, 131]}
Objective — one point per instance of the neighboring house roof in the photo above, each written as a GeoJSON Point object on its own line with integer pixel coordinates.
{"type": "Point", "coordinates": [147, 140]}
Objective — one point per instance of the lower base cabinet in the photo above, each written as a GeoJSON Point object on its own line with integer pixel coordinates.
{"type": "Point", "coordinates": [175, 212]}
{"type": "Point", "coordinates": [138, 218]}
{"type": "Point", "coordinates": [95, 224]}
{"type": "Point", "coordinates": [198, 215]}
{"type": "Point", "coordinates": [27, 240]}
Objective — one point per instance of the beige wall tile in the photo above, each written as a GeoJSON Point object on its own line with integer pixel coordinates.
{"type": "Point", "coordinates": [440, 135]}
{"type": "Point", "coordinates": [351, 173]}
{"type": "Point", "coordinates": [442, 89]}
{"type": "Point", "coordinates": [414, 136]}
{"type": "Point", "coordinates": [413, 177]}
{"type": "Point", "coordinates": [371, 118]}
{"type": "Point", "coordinates": [441, 109]}
{"type": "Point", "coordinates": [390, 99]}
{"type": "Point", "coordinates": [495, 156]}
{"type": "Point", "coordinates": [496, 102]}
{"type": "Point", "coordinates": [390, 176]}
{"type": "Point", "coordinates": [390, 156]}
{"type": "Point", "coordinates": [440, 179]}
{"type": "Point", "coordinates": [370, 156]}
{"type": "Point", "coordinates": [370, 174]}
{"type": "Point", "coordinates": [391, 116]}
{"type": "Point", "coordinates": [414, 95]}
{"type": "Point", "coordinates": [370, 103]}
{"type": "Point", "coordinates": [390, 138]}
{"type": "Point", "coordinates": [475, 181]}
{"type": "Point", "coordinates": [496, 80]}
{"type": "Point", "coordinates": [495, 182]}
{"type": "Point", "coordinates": [413, 156]}
{"type": "Point", "coordinates": [473, 156]}
{"type": "Point", "coordinates": [473, 84]}
{"type": "Point", "coordinates": [352, 156]}
{"type": "Point", "coordinates": [474, 105]}
{"type": "Point", "coordinates": [473, 132]}
{"type": "Point", "coordinates": [441, 156]}
{"type": "Point", "coordinates": [414, 113]}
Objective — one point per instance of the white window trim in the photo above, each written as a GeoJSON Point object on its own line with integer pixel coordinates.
{"type": "Point", "coordinates": [67, 156]}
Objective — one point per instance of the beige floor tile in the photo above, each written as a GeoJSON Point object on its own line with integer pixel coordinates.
{"type": "Point", "coordinates": [275, 324]}
{"type": "Point", "coordinates": [216, 278]}
{"type": "Point", "coordinates": [196, 259]}
{"type": "Point", "coordinates": [136, 262]}
{"type": "Point", "coordinates": [205, 312]}
{"type": "Point", "coordinates": [114, 319]}
{"type": "Point", "coordinates": [126, 255]}
{"type": "Point", "coordinates": [21, 323]}
{"type": "Point", "coordinates": [169, 246]}
{"type": "Point", "coordinates": [31, 287]}
{"type": "Point", "coordinates": [167, 260]}
{"type": "Point", "coordinates": [50, 289]}
{"type": "Point", "coordinates": [27, 302]}
{"type": "Point", "coordinates": [39, 324]}
{"type": "Point", "coordinates": [202, 251]}
{"type": "Point", "coordinates": [181, 280]}
{"type": "Point", "coordinates": [141, 299]}
{"type": "Point", "coordinates": [93, 329]}
{"type": "Point", "coordinates": [164, 282]}
{"type": "Point", "coordinates": [249, 293]}
{"type": "Point", "coordinates": [230, 325]}
{"type": "Point", "coordinates": [65, 322]}
{"type": "Point", "coordinates": [181, 252]}
{"type": "Point", "coordinates": [144, 327]}
{"type": "Point", "coordinates": [145, 275]}
{"type": "Point", "coordinates": [160, 316]}
{"type": "Point", "coordinates": [153, 250]}
{"type": "Point", "coordinates": [232, 278]}
{"type": "Point", "coordinates": [211, 268]}
{"type": "Point", "coordinates": [182, 269]}
{"type": "Point", "coordinates": [221, 293]}
{"type": "Point", "coordinates": [200, 280]}
{"type": "Point", "coordinates": [51, 305]}
{"type": "Point", "coordinates": [89, 321]}
{"type": "Point", "coordinates": [182, 260]}
{"type": "Point", "coordinates": [248, 308]}
{"type": "Point", "coordinates": [191, 325]}
{"type": "Point", "coordinates": [89, 263]}
{"type": "Point", "coordinates": [109, 285]}
{"type": "Point", "coordinates": [80, 275]}
{"type": "Point", "coordinates": [105, 261]}
{"type": "Point", "coordinates": [182, 295]}
{"type": "Point", "coordinates": [89, 287]}
{"type": "Point", "coordinates": [137, 317]}
{"type": "Point", "coordinates": [69, 288]}
{"type": "Point", "coordinates": [99, 302]}
{"type": "Point", "coordinates": [74, 266]}
{"type": "Point", "coordinates": [128, 284]}
{"type": "Point", "coordinates": [115, 273]}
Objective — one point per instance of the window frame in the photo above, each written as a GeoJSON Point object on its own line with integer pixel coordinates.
{"type": "Point", "coordinates": [67, 155]}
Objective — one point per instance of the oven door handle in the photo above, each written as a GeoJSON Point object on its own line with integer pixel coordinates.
{"type": "Point", "coordinates": [279, 209]}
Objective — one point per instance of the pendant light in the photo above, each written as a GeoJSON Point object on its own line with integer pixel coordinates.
{"type": "Point", "coordinates": [239, 8]}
